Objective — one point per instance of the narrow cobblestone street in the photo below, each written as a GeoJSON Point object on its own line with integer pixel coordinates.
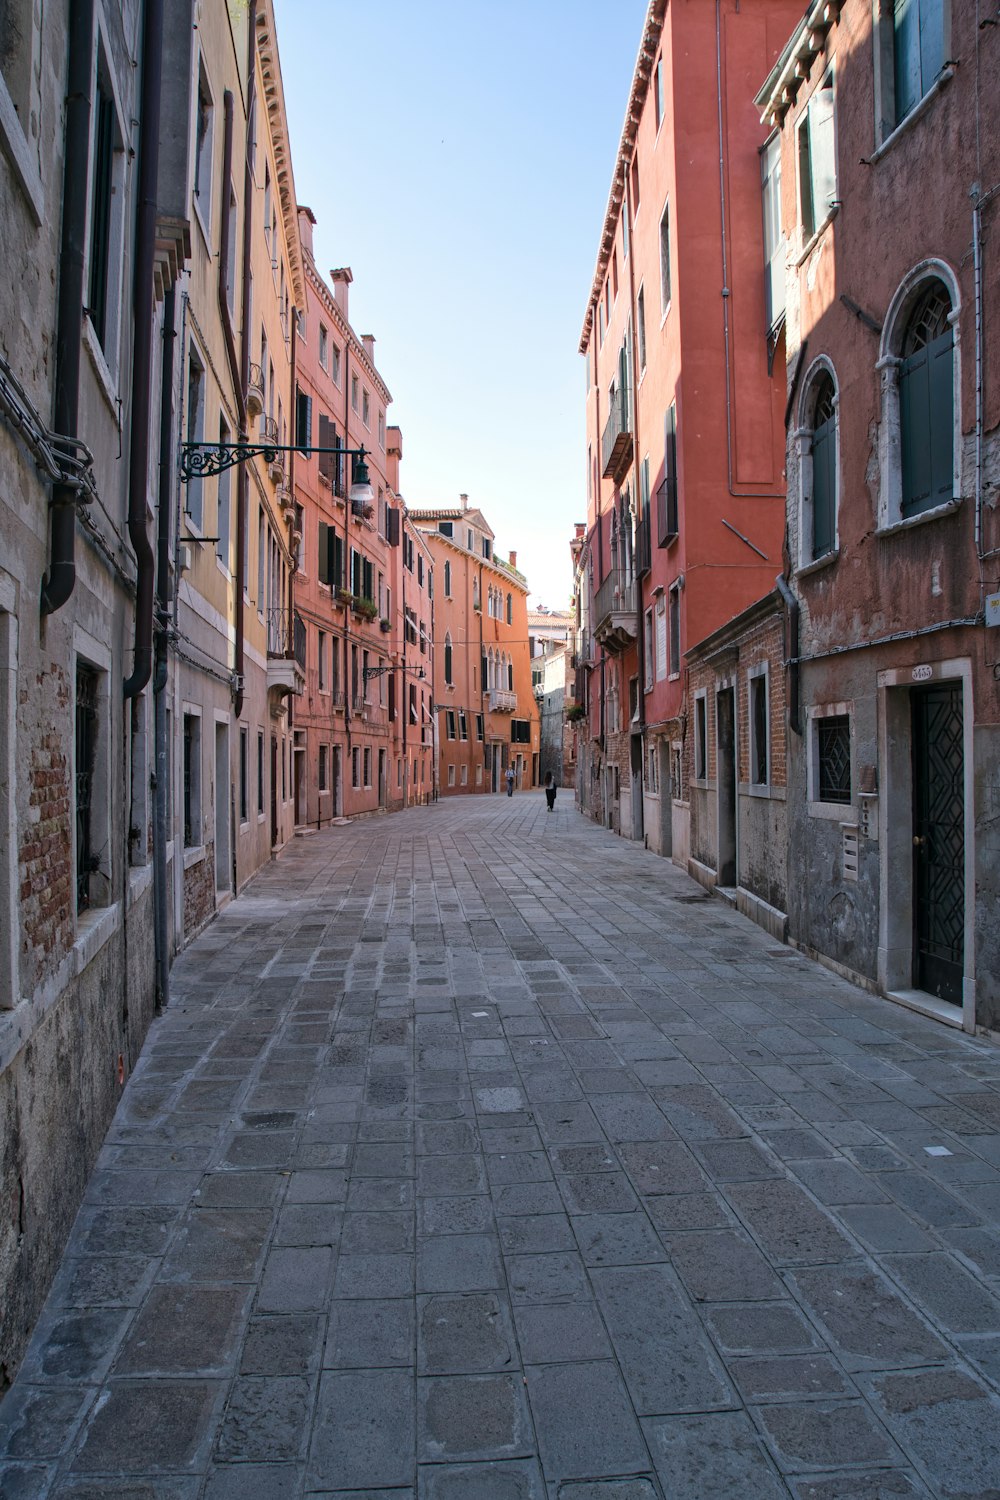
{"type": "Point", "coordinates": [480, 1156]}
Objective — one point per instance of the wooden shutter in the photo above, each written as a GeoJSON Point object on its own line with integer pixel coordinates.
{"type": "Point", "coordinates": [336, 559]}
{"type": "Point", "coordinates": [323, 560]}
{"type": "Point", "coordinates": [824, 480]}
{"type": "Point", "coordinates": [927, 426]}
{"type": "Point", "coordinates": [906, 55]}
{"type": "Point", "coordinates": [327, 431]}
{"type": "Point", "coordinates": [392, 525]}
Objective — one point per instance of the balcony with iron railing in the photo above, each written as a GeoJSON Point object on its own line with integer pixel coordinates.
{"type": "Point", "coordinates": [286, 652]}
{"type": "Point", "coordinates": [502, 700]}
{"type": "Point", "coordinates": [616, 611]}
{"type": "Point", "coordinates": [276, 463]}
{"type": "Point", "coordinates": [616, 444]}
{"type": "Point", "coordinates": [255, 392]}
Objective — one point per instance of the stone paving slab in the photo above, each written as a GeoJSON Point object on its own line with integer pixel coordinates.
{"type": "Point", "coordinates": [480, 1156]}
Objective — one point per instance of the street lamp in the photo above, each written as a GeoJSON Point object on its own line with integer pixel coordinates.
{"type": "Point", "coordinates": [202, 460]}
{"type": "Point", "coordinates": [368, 673]}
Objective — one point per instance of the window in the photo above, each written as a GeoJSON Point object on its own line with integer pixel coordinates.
{"type": "Point", "coordinates": [224, 517]}
{"type": "Point", "coordinates": [107, 218]}
{"type": "Point", "coordinates": [368, 765]}
{"type": "Point", "coordinates": [324, 346]}
{"type": "Point", "coordinates": [88, 852]}
{"type": "Point", "coordinates": [652, 770]}
{"type": "Point", "coordinates": [817, 160]}
{"type": "Point", "coordinates": [649, 654]}
{"type": "Point", "coordinates": [701, 737]}
{"type": "Point", "coordinates": [661, 638]}
{"type": "Point", "coordinates": [658, 92]}
{"type": "Point", "coordinates": [355, 766]}
{"type": "Point", "coordinates": [918, 55]}
{"type": "Point", "coordinates": [667, 505]}
{"type": "Point", "coordinates": [354, 393]}
{"type": "Point", "coordinates": [635, 183]}
{"type": "Point", "coordinates": [323, 775]}
{"type": "Point", "coordinates": [520, 731]}
{"type": "Point", "coordinates": [818, 463]}
{"type": "Point", "coordinates": [230, 249]}
{"type": "Point", "coordinates": [446, 528]}
{"type": "Point", "coordinates": [758, 686]}
{"type": "Point", "coordinates": [487, 548]}
{"type": "Point", "coordinates": [335, 364]}
{"type": "Point", "coordinates": [479, 727]}
{"type": "Point", "coordinates": [614, 272]}
{"type": "Point", "coordinates": [665, 260]}
{"type": "Point", "coordinates": [450, 722]}
{"type": "Point", "coordinates": [321, 660]}
{"type": "Point", "coordinates": [448, 660]}
{"type": "Point", "coordinates": [463, 728]}
{"type": "Point", "coordinates": [640, 325]}
{"type": "Point", "coordinates": [833, 758]}
{"type": "Point", "coordinates": [420, 570]}
{"type": "Point", "coordinates": [365, 409]}
{"type": "Point", "coordinates": [204, 134]}
{"type": "Point", "coordinates": [470, 540]}
{"type": "Point", "coordinates": [510, 609]}
{"type": "Point", "coordinates": [675, 629]}
{"type": "Point", "coordinates": [260, 773]}
{"type": "Point", "coordinates": [244, 774]}
{"type": "Point", "coordinates": [447, 580]}
{"type": "Point", "coordinates": [465, 776]}
{"type": "Point", "coordinates": [926, 410]}
{"type": "Point", "coordinates": [195, 433]}
{"type": "Point", "coordinates": [192, 781]}
{"type": "Point", "coordinates": [920, 430]}
{"type": "Point", "coordinates": [774, 243]}
{"type": "Point", "coordinates": [451, 774]}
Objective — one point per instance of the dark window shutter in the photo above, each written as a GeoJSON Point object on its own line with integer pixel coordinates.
{"type": "Point", "coordinates": [824, 498]}
{"type": "Point", "coordinates": [323, 561]}
{"type": "Point", "coordinates": [392, 695]}
{"type": "Point", "coordinates": [326, 460]}
{"type": "Point", "coordinates": [941, 390]}
{"type": "Point", "coordinates": [915, 432]}
{"type": "Point", "coordinates": [368, 579]}
{"type": "Point", "coordinates": [392, 525]}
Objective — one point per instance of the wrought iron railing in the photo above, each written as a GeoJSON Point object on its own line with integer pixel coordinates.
{"type": "Point", "coordinates": [616, 596]}
{"type": "Point", "coordinates": [616, 426]}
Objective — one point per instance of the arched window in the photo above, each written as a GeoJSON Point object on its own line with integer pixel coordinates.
{"type": "Point", "coordinates": [491, 680]}
{"type": "Point", "coordinates": [926, 403]}
{"type": "Point", "coordinates": [510, 610]}
{"type": "Point", "coordinates": [510, 674]}
{"type": "Point", "coordinates": [447, 659]}
{"type": "Point", "coordinates": [919, 443]}
{"type": "Point", "coordinates": [818, 465]}
{"type": "Point", "coordinates": [447, 580]}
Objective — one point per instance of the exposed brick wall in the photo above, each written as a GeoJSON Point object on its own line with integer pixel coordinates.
{"type": "Point", "coordinates": [199, 892]}
{"type": "Point", "coordinates": [763, 642]}
{"type": "Point", "coordinates": [46, 851]}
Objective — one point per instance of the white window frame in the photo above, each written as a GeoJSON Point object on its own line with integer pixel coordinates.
{"type": "Point", "coordinates": [822, 213]}
{"type": "Point", "coordinates": [666, 290]}
{"type": "Point", "coordinates": [105, 352]}
{"type": "Point", "coordinates": [701, 741]}
{"type": "Point", "coordinates": [836, 812]}
{"type": "Point", "coordinates": [758, 672]}
{"type": "Point", "coordinates": [803, 444]}
{"type": "Point", "coordinates": [201, 192]}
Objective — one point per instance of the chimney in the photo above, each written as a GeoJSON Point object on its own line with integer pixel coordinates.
{"type": "Point", "coordinates": [465, 501]}
{"type": "Point", "coordinates": [581, 529]}
{"type": "Point", "coordinates": [512, 559]}
{"type": "Point", "coordinates": [368, 341]}
{"type": "Point", "coordinates": [341, 279]}
{"type": "Point", "coordinates": [306, 221]}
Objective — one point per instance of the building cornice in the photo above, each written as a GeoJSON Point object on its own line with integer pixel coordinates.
{"type": "Point", "coordinates": [651, 33]}
{"type": "Point", "coordinates": [274, 98]}
{"type": "Point", "coordinates": [495, 564]}
{"type": "Point", "coordinates": [792, 68]}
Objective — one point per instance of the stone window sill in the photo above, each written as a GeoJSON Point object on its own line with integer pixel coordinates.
{"type": "Point", "coordinates": [916, 113]}
{"type": "Point", "coordinates": [194, 856]}
{"type": "Point", "coordinates": [905, 524]}
{"type": "Point", "coordinates": [818, 564]}
{"type": "Point", "coordinates": [817, 234]}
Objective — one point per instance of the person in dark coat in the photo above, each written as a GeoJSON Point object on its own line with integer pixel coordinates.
{"type": "Point", "coordinates": [550, 790]}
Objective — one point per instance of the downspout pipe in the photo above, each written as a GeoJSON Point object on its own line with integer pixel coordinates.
{"type": "Point", "coordinates": [224, 287]}
{"type": "Point", "coordinates": [57, 585]}
{"type": "Point", "coordinates": [792, 606]}
{"type": "Point", "coordinates": [142, 346]}
{"type": "Point", "coordinates": [243, 486]}
{"type": "Point", "coordinates": [161, 938]}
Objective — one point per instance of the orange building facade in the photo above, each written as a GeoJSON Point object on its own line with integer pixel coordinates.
{"type": "Point", "coordinates": [485, 711]}
{"type": "Point", "coordinates": [685, 401]}
{"type": "Point", "coordinates": [363, 718]}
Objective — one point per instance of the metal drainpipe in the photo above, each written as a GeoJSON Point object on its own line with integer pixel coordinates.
{"type": "Point", "coordinates": [792, 604]}
{"type": "Point", "coordinates": [57, 584]}
{"type": "Point", "coordinates": [142, 346]}
{"type": "Point", "coordinates": [403, 705]}
{"type": "Point", "coordinates": [243, 485]}
{"type": "Point", "coordinates": [641, 694]}
{"type": "Point", "coordinates": [293, 563]}
{"type": "Point", "coordinates": [161, 940]}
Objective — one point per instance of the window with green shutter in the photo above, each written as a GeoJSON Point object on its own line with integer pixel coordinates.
{"type": "Point", "coordinates": [917, 50]}
{"type": "Point", "coordinates": [926, 404]}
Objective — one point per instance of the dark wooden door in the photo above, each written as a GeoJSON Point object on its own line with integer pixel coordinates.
{"type": "Point", "coordinates": [938, 840]}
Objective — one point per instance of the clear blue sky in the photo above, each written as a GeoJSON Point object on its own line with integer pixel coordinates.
{"type": "Point", "coordinates": [458, 157]}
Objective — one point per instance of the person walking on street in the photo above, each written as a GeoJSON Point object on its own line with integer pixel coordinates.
{"type": "Point", "coordinates": [550, 790]}
{"type": "Point", "coordinates": [510, 781]}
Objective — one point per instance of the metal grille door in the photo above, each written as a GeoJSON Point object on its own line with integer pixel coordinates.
{"type": "Point", "coordinates": [938, 840]}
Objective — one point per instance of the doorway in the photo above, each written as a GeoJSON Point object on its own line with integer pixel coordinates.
{"type": "Point", "coordinates": [381, 779]}
{"type": "Point", "coordinates": [725, 722]}
{"type": "Point", "coordinates": [938, 840]}
{"type": "Point", "coordinates": [274, 791]}
{"type": "Point", "coordinates": [335, 792]}
{"type": "Point", "coordinates": [299, 777]}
